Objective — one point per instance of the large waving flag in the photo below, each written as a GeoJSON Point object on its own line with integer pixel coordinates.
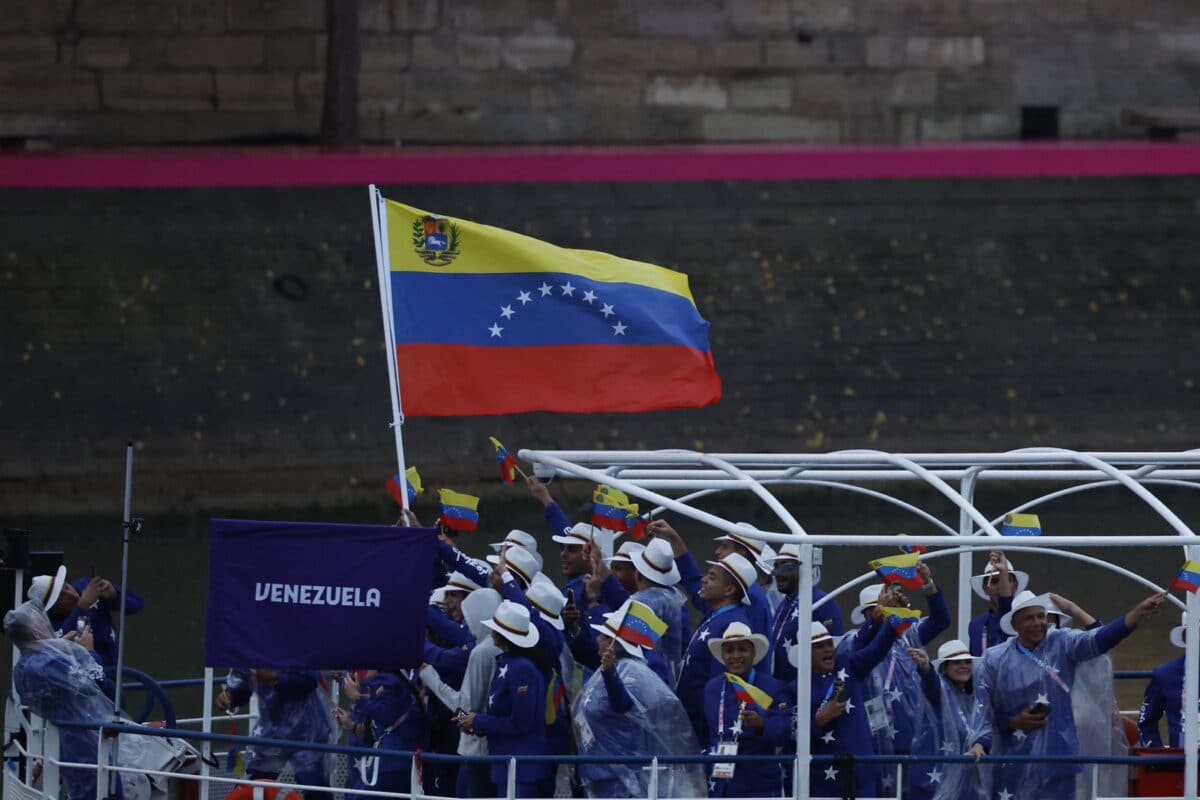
{"type": "Point", "coordinates": [488, 321]}
{"type": "Point", "coordinates": [901, 569]}
{"type": "Point", "coordinates": [749, 693]}
{"type": "Point", "coordinates": [901, 619]}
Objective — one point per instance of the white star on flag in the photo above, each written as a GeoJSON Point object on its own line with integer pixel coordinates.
{"type": "Point", "coordinates": [607, 310]}
{"type": "Point", "coordinates": [495, 329]}
{"type": "Point", "coordinates": [831, 774]}
{"type": "Point", "coordinates": [524, 299]}
{"type": "Point", "coordinates": [506, 311]}
{"type": "Point", "coordinates": [828, 737]}
{"type": "Point", "coordinates": [545, 289]}
{"type": "Point", "coordinates": [589, 296]}
{"type": "Point", "coordinates": [568, 290]}
{"type": "Point", "coordinates": [619, 328]}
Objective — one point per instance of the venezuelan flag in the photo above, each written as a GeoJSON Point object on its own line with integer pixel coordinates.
{"type": "Point", "coordinates": [411, 483]}
{"type": "Point", "coordinates": [901, 569]}
{"type": "Point", "coordinates": [637, 524]}
{"type": "Point", "coordinates": [488, 321]}
{"type": "Point", "coordinates": [912, 548]}
{"type": "Point", "coordinates": [1188, 577]}
{"type": "Point", "coordinates": [642, 626]}
{"type": "Point", "coordinates": [556, 698]}
{"type": "Point", "coordinates": [749, 693]}
{"type": "Point", "coordinates": [901, 619]}
{"type": "Point", "coordinates": [459, 511]}
{"type": "Point", "coordinates": [1021, 525]}
{"type": "Point", "coordinates": [610, 509]}
{"type": "Point", "coordinates": [508, 464]}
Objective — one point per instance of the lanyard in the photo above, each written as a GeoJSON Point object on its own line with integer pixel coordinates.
{"type": "Point", "coordinates": [1048, 669]}
{"type": "Point", "coordinates": [704, 624]}
{"type": "Point", "coordinates": [887, 683]}
{"type": "Point", "coordinates": [784, 614]}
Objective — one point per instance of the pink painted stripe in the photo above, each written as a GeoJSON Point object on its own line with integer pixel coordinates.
{"type": "Point", "coordinates": [314, 167]}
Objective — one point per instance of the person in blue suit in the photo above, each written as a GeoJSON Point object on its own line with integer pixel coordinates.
{"type": "Point", "coordinates": [390, 716]}
{"type": "Point", "coordinates": [515, 720]}
{"type": "Point", "coordinates": [89, 602]}
{"type": "Point", "coordinates": [1164, 697]}
{"type": "Point", "coordinates": [290, 706]}
{"type": "Point", "coordinates": [753, 722]}
{"type": "Point", "coordinates": [837, 718]}
{"type": "Point", "coordinates": [947, 685]}
{"type": "Point", "coordinates": [787, 617]}
{"type": "Point", "coordinates": [998, 584]}
{"type": "Point", "coordinates": [60, 680]}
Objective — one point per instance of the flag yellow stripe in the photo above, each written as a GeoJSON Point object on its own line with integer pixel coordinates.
{"type": "Point", "coordinates": [761, 698]}
{"type": "Point", "coordinates": [485, 249]}
{"type": "Point", "coordinates": [450, 497]}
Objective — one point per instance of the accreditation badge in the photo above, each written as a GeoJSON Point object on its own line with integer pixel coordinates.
{"type": "Point", "coordinates": [724, 769]}
{"type": "Point", "coordinates": [877, 716]}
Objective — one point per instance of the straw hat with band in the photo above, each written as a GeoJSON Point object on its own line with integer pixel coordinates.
{"type": "Point", "coordinates": [977, 580]}
{"type": "Point", "coordinates": [579, 533]}
{"type": "Point", "coordinates": [438, 596]}
{"type": "Point", "coordinates": [624, 554]}
{"type": "Point", "coordinates": [742, 572]}
{"type": "Point", "coordinates": [739, 632]}
{"type": "Point", "coordinates": [1177, 633]}
{"type": "Point", "coordinates": [522, 563]}
{"type": "Point", "coordinates": [819, 634]}
{"type": "Point", "coordinates": [766, 559]}
{"type": "Point", "coordinates": [516, 536]}
{"type": "Point", "coordinates": [547, 599]}
{"type": "Point", "coordinates": [755, 546]}
{"type": "Point", "coordinates": [1022, 601]}
{"type": "Point", "coordinates": [457, 582]}
{"type": "Point", "coordinates": [45, 589]}
{"type": "Point", "coordinates": [656, 562]}
{"type": "Point", "coordinates": [512, 622]}
{"type": "Point", "coordinates": [868, 597]}
{"type": "Point", "coordinates": [953, 650]}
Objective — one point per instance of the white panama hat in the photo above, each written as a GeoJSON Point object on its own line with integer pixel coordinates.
{"type": "Point", "coordinates": [819, 634]}
{"type": "Point", "coordinates": [656, 562]}
{"type": "Point", "coordinates": [739, 632]}
{"type": "Point", "coordinates": [516, 536]}
{"type": "Point", "coordinates": [579, 533]}
{"type": "Point", "coordinates": [1025, 599]}
{"type": "Point", "coordinates": [977, 580]}
{"type": "Point", "coordinates": [868, 597]}
{"type": "Point", "coordinates": [612, 626]}
{"type": "Point", "coordinates": [1177, 633]}
{"type": "Point", "coordinates": [457, 582]}
{"type": "Point", "coordinates": [624, 554]}
{"type": "Point", "coordinates": [512, 621]}
{"type": "Point", "coordinates": [478, 607]}
{"type": "Point", "coordinates": [743, 572]}
{"type": "Point", "coordinates": [953, 650]}
{"type": "Point", "coordinates": [523, 563]}
{"type": "Point", "coordinates": [45, 589]}
{"type": "Point", "coordinates": [547, 599]}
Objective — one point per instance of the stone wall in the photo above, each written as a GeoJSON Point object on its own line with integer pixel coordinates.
{"type": "Point", "coordinates": [511, 71]}
{"type": "Point", "coordinates": [235, 335]}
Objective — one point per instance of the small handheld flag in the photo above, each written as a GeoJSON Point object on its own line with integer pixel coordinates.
{"type": "Point", "coordinates": [508, 464]}
{"type": "Point", "coordinates": [411, 483]}
{"type": "Point", "coordinates": [1021, 525]}
{"type": "Point", "coordinates": [1188, 578]}
{"type": "Point", "coordinates": [459, 511]}
{"type": "Point", "coordinates": [610, 509]}
{"type": "Point", "coordinates": [749, 693]}
{"type": "Point", "coordinates": [642, 626]}
{"type": "Point", "coordinates": [637, 524]}
{"type": "Point", "coordinates": [901, 619]}
{"type": "Point", "coordinates": [912, 548]}
{"type": "Point", "coordinates": [901, 569]}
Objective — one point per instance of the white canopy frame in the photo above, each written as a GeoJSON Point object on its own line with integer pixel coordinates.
{"type": "Point", "coordinates": [646, 474]}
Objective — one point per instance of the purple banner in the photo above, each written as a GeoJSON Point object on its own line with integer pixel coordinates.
{"type": "Point", "coordinates": [306, 595]}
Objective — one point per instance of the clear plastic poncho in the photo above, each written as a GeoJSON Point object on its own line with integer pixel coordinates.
{"type": "Point", "coordinates": [960, 781]}
{"type": "Point", "coordinates": [1098, 725]}
{"type": "Point", "coordinates": [655, 725]}
{"type": "Point", "coordinates": [59, 679]}
{"type": "Point", "coordinates": [1010, 679]}
{"type": "Point", "coordinates": [302, 717]}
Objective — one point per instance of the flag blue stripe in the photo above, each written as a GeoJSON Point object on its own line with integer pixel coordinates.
{"type": "Point", "coordinates": [431, 308]}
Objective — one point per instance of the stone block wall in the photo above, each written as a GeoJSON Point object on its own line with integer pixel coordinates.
{"type": "Point", "coordinates": [516, 71]}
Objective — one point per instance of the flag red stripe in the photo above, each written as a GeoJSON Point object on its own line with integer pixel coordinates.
{"type": "Point", "coordinates": [465, 380]}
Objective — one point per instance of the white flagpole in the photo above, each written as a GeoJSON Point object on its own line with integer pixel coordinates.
{"type": "Point", "coordinates": [383, 263]}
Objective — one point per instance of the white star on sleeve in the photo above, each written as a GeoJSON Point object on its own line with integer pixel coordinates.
{"type": "Point", "coordinates": [831, 774]}
{"type": "Point", "coordinates": [589, 296]}
{"type": "Point", "coordinates": [607, 310]}
{"type": "Point", "coordinates": [568, 290]}
{"type": "Point", "coordinates": [828, 737]}
{"type": "Point", "coordinates": [545, 289]}
{"type": "Point", "coordinates": [704, 634]}
{"type": "Point", "coordinates": [502, 671]}
{"type": "Point", "coordinates": [1005, 794]}
{"type": "Point", "coordinates": [849, 705]}
{"type": "Point", "coordinates": [495, 329]}
{"type": "Point", "coordinates": [506, 312]}
{"type": "Point", "coordinates": [619, 328]}
{"type": "Point", "coordinates": [523, 298]}
{"type": "Point", "coordinates": [843, 674]}
{"type": "Point", "coordinates": [935, 776]}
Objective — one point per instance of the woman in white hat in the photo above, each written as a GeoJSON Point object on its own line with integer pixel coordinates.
{"type": "Point", "coordinates": [515, 720]}
{"type": "Point", "coordinates": [626, 709]}
{"type": "Point", "coordinates": [948, 687]}
{"type": "Point", "coordinates": [747, 712]}
{"type": "Point", "coordinates": [1164, 696]}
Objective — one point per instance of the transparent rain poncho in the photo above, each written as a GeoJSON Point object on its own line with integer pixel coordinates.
{"type": "Point", "coordinates": [294, 708]}
{"type": "Point", "coordinates": [1011, 678]}
{"type": "Point", "coordinates": [655, 724]}
{"type": "Point", "coordinates": [60, 680]}
{"type": "Point", "coordinates": [961, 781]}
{"type": "Point", "coordinates": [1099, 727]}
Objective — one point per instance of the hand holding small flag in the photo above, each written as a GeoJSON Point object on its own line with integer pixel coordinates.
{"type": "Point", "coordinates": [508, 464]}
{"type": "Point", "coordinates": [411, 483]}
{"type": "Point", "coordinates": [460, 512]}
